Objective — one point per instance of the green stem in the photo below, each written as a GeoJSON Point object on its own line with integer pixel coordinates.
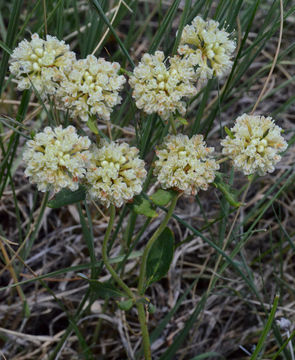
{"type": "Point", "coordinates": [172, 123]}
{"type": "Point", "coordinates": [115, 276]}
{"type": "Point", "coordinates": [144, 331]}
{"type": "Point", "coordinates": [151, 241]}
{"type": "Point", "coordinates": [99, 322]}
{"type": "Point", "coordinates": [141, 287]}
{"type": "Point", "coordinates": [126, 72]}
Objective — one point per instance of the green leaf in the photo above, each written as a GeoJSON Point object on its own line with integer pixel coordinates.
{"type": "Point", "coordinates": [10, 38]}
{"type": "Point", "coordinates": [227, 191]}
{"type": "Point", "coordinates": [285, 343]}
{"type": "Point", "coordinates": [229, 133]}
{"type": "Point", "coordinates": [99, 9]}
{"type": "Point", "coordinates": [5, 47]}
{"type": "Point", "coordinates": [26, 309]}
{"type": "Point", "coordinates": [165, 26]}
{"type": "Point", "coordinates": [160, 256]}
{"type": "Point", "coordinates": [67, 197]}
{"type": "Point", "coordinates": [87, 230]}
{"type": "Point", "coordinates": [126, 304]}
{"type": "Point", "coordinates": [161, 197]}
{"type": "Point", "coordinates": [151, 308]}
{"type": "Point", "coordinates": [145, 208]}
{"type": "Point", "coordinates": [182, 120]}
{"type": "Point", "coordinates": [104, 290]}
{"type": "Point", "coordinates": [91, 123]}
{"type": "Point", "coordinates": [183, 21]}
{"type": "Point", "coordinates": [266, 330]}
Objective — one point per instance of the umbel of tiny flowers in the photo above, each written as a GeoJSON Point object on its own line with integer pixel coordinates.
{"type": "Point", "coordinates": [208, 48]}
{"type": "Point", "coordinates": [158, 88]}
{"type": "Point", "coordinates": [57, 158]}
{"type": "Point", "coordinates": [254, 144]}
{"type": "Point", "coordinates": [116, 173]}
{"type": "Point", "coordinates": [185, 164]}
{"type": "Point", "coordinates": [41, 63]}
{"type": "Point", "coordinates": [91, 87]}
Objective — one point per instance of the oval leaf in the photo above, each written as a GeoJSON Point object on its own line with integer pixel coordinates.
{"type": "Point", "coordinates": [126, 304]}
{"type": "Point", "coordinates": [161, 197]}
{"type": "Point", "coordinates": [145, 208]}
{"type": "Point", "coordinates": [67, 197]}
{"type": "Point", "coordinates": [229, 133]}
{"type": "Point", "coordinates": [160, 257]}
{"type": "Point", "coordinates": [92, 125]}
{"type": "Point", "coordinates": [151, 308]}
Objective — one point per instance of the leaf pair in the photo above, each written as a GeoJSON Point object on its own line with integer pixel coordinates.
{"type": "Point", "coordinates": [160, 198]}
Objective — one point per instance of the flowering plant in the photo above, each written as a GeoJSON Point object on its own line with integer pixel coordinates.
{"type": "Point", "coordinates": [125, 141]}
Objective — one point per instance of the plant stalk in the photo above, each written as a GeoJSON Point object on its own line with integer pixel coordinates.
{"type": "Point", "coordinates": [141, 281]}
{"type": "Point", "coordinates": [144, 331]}
{"type": "Point", "coordinates": [151, 241]}
{"type": "Point", "coordinates": [172, 123]}
{"type": "Point", "coordinates": [115, 276]}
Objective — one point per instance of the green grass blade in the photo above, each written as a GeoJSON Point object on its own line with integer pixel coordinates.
{"type": "Point", "coordinates": [183, 21]}
{"type": "Point", "coordinates": [10, 40]}
{"type": "Point", "coordinates": [182, 336]}
{"type": "Point", "coordinates": [5, 48]}
{"type": "Point", "coordinates": [88, 236]}
{"type": "Point", "coordinates": [266, 330]}
{"type": "Point", "coordinates": [207, 355]}
{"type": "Point", "coordinates": [112, 30]}
{"type": "Point", "coordinates": [284, 345]}
{"type": "Point", "coordinates": [165, 25]}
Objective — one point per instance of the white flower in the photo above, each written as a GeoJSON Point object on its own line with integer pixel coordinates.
{"type": "Point", "coordinates": [91, 88]}
{"type": "Point", "coordinates": [158, 88]}
{"type": "Point", "coordinates": [57, 158]}
{"type": "Point", "coordinates": [41, 62]}
{"type": "Point", "coordinates": [208, 48]}
{"type": "Point", "coordinates": [116, 173]}
{"type": "Point", "coordinates": [255, 144]}
{"type": "Point", "coordinates": [185, 164]}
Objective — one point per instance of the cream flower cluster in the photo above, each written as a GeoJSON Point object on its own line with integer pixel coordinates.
{"type": "Point", "coordinates": [208, 48]}
{"type": "Point", "coordinates": [84, 87]}
{"type": "Point", "coordinates": [116, 173]}
{"type": "Point", "coordinates": [41, 63]}
{"type": "Point", "coordinates": [57, 158]}
{"type": "Point", "coordinates": [185, 164]}
{"type": "Point", "coordinates": [158, 88]}
{"type": "Point", "coordinates": [255, 144]}
{"type": "Point", "coordinates": [91, 87]}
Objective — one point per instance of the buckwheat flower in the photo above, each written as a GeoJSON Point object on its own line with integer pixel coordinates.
{"type": "Point", "coordinates": [208, 48]}
{"type": "Point", "coordinates": [160, 88]}
{"type": "Point", "coordinates": [57, 158]}
{"type": "Point", "coordinates": [185, 164]}
{"type": "Point", "coordinates": [92, 88]}
{"type": "Point", "coordinates": [255, 144]}
{"type": "Point", "coordinates": [41, 62]}
{"type": "Point", "coordinates": [116, 173]}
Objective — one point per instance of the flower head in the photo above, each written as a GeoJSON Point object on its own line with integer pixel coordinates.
{"type": "Point", "coordinates": [158, 88]}
{"type": "Point", "coordinates": [91, 87]}
{"type": "Point", "coordinates": [41, 63]}
{"type": "Point", "coordinates": [116, 173]}
{"type": "Point", "coordinates": [185, 164]}
{"type": "Point", "coordinates": [255, 144]}
{"type": "Point", "coordinates": [57, 158]}
{"type": "Point", "coordinates": [207, 47]}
